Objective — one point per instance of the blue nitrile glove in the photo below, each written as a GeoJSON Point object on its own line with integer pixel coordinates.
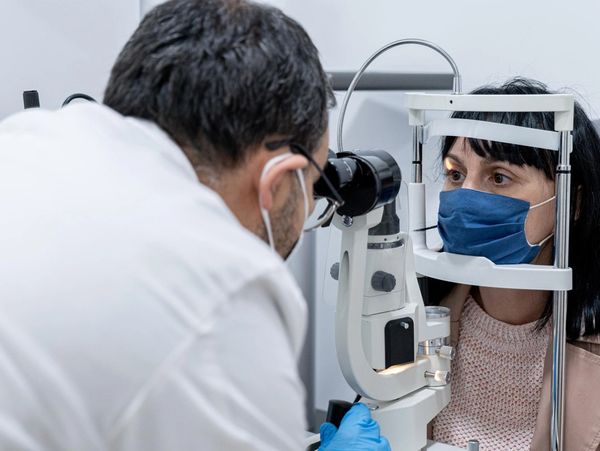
{"type": "Point", "coordinates": [358, 431]}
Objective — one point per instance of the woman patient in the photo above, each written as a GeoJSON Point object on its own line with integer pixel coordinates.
{"type": "Point", "coordinates": [499, 202]}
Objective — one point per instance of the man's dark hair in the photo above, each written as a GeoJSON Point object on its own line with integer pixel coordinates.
{"type": "Point", "coordinates": [219, 76]}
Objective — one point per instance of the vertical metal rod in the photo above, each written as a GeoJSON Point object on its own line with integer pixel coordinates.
{"type": "Point", "coordinates": [417, 164]}
{"type": "Point", "coordinates": [559, 312]}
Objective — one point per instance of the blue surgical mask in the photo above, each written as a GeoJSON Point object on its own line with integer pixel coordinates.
{"type": "Point", "coordinates": [487, 225]}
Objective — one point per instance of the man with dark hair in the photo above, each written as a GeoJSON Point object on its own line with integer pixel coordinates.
{"type": "Point", "coordinates": [141, 307]}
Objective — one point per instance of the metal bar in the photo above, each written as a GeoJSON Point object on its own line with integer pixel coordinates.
{"type": "Point", "coordinates": [393, 81]}
{"type": "Point", "coordinates": [491, 102]}
{"type": "Point", "coordinates": [417, 164]}
{"type": "Point", "coordinates": [561, 260]}
{"type": "Point", "coordinates": [492, 131]}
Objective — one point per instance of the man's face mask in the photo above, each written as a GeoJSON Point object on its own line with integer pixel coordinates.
{"type": "Point", "coordinates": [487, 225]}
{"type": "Point", "coordinates": [265, 213]}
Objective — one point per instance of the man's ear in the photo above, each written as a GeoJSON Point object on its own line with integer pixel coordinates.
{"type": "Point", "coordinates": [272, 179]}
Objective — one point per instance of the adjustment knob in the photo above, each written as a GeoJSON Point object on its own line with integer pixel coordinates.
{"type": "Point", "coordinates": [334, 272]}
{"type": "Point", "coordinates": [383, 281]}
{"type": "Point", "coordinates": [447, 352]}
{"type": "Point", "coordinates": [442, 377]}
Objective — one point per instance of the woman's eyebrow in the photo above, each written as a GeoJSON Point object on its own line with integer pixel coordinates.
{"type": "Point", "coordinates": [488, 161]}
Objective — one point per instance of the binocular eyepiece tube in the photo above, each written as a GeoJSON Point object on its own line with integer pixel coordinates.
{"type": "Point", "coordinates": [365, 180]}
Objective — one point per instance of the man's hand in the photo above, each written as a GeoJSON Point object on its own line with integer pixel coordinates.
{"type": "Point", "coordinates": [358, 431]}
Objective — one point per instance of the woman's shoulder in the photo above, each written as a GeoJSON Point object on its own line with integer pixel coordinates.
{"type": "Point", "coordinates": [590, 343]}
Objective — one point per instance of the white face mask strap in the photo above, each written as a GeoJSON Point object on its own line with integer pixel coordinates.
{"type": "Point", "coordinates": [300, 175]}
{"type": "Point", "coordinates": [541, 243]}
{"type": "Point", "coordinates": [294, 249]}
{"type": "Point", "coordinates": [265, 216]}
{"type": "Point", "coordinates": [272, 162]}
{"type": "Point", "coordinates": [543, 202]}
{"type": "Point", "coordinates": [264, 212]}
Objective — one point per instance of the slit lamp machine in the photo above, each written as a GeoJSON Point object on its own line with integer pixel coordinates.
{"type": "Point", "coordinates": [393, 350]}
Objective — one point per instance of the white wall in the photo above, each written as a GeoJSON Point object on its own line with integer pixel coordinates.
{"type": "Point", "coordinates": [59, 47]}
{"type": "Point", "coordinates": [554, 41]}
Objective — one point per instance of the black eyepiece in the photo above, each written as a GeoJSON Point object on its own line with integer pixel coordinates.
{"type": "Point", "coordinates": [365, 180]}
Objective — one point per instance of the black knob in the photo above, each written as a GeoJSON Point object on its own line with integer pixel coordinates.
{"type": "Point", "coordinates": [31, 99]}
{"type": "Point", "coordinates": [336, 411]}
{"type": "Point", "coordinates": [383, 281]}
{"type": "Point", "coordinates": [335, 271]}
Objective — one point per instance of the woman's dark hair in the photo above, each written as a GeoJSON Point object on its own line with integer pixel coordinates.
{"type": "Point", "coordinates": [583, 308]}
{"type": "Point", "coordinates": [219, 76]}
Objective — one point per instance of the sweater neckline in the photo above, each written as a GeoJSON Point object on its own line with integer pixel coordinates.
{"type": "Point", "coordinates": [486, 326]}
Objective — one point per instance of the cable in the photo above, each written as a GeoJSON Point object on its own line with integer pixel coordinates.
{"type": "Point", "coordinates": [425, 229]}
{"type": "Point", "coordinates": [456, 84]}
{"type": "Point", "coordinates": [77, 95]}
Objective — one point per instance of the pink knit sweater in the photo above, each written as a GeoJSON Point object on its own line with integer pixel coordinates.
{"type": "Point", "coordinates": [496, 383]}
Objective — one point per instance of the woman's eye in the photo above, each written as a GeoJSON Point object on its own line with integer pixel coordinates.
{"type": "Point", "coordinates": [500, 179]}
{"type": "Point", "coordinates": [454, 176]}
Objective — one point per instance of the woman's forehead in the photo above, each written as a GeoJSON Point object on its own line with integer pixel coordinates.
{"type": "Point", "coordinates": [463, 152]}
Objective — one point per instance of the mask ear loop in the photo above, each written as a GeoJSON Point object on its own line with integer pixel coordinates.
{"type": "Point", "coordinates": [263, 211]}
{"type": "Point", "coordinates": [265, 216]}
{"type": "Point", "coordinates": [541, 243]}
{"type": "Point", "coordinates": [543, 202]}
{"type": "Point", "coordinates": [298, 242]}
{"type": "Point", "coordinates": [300, 175]}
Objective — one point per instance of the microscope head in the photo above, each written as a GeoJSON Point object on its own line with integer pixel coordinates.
{"type": "Point", "coordinates": [365, 180]}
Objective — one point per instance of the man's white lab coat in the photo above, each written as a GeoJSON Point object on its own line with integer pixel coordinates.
{"type": "Point", "coordinates": [135, 311]}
